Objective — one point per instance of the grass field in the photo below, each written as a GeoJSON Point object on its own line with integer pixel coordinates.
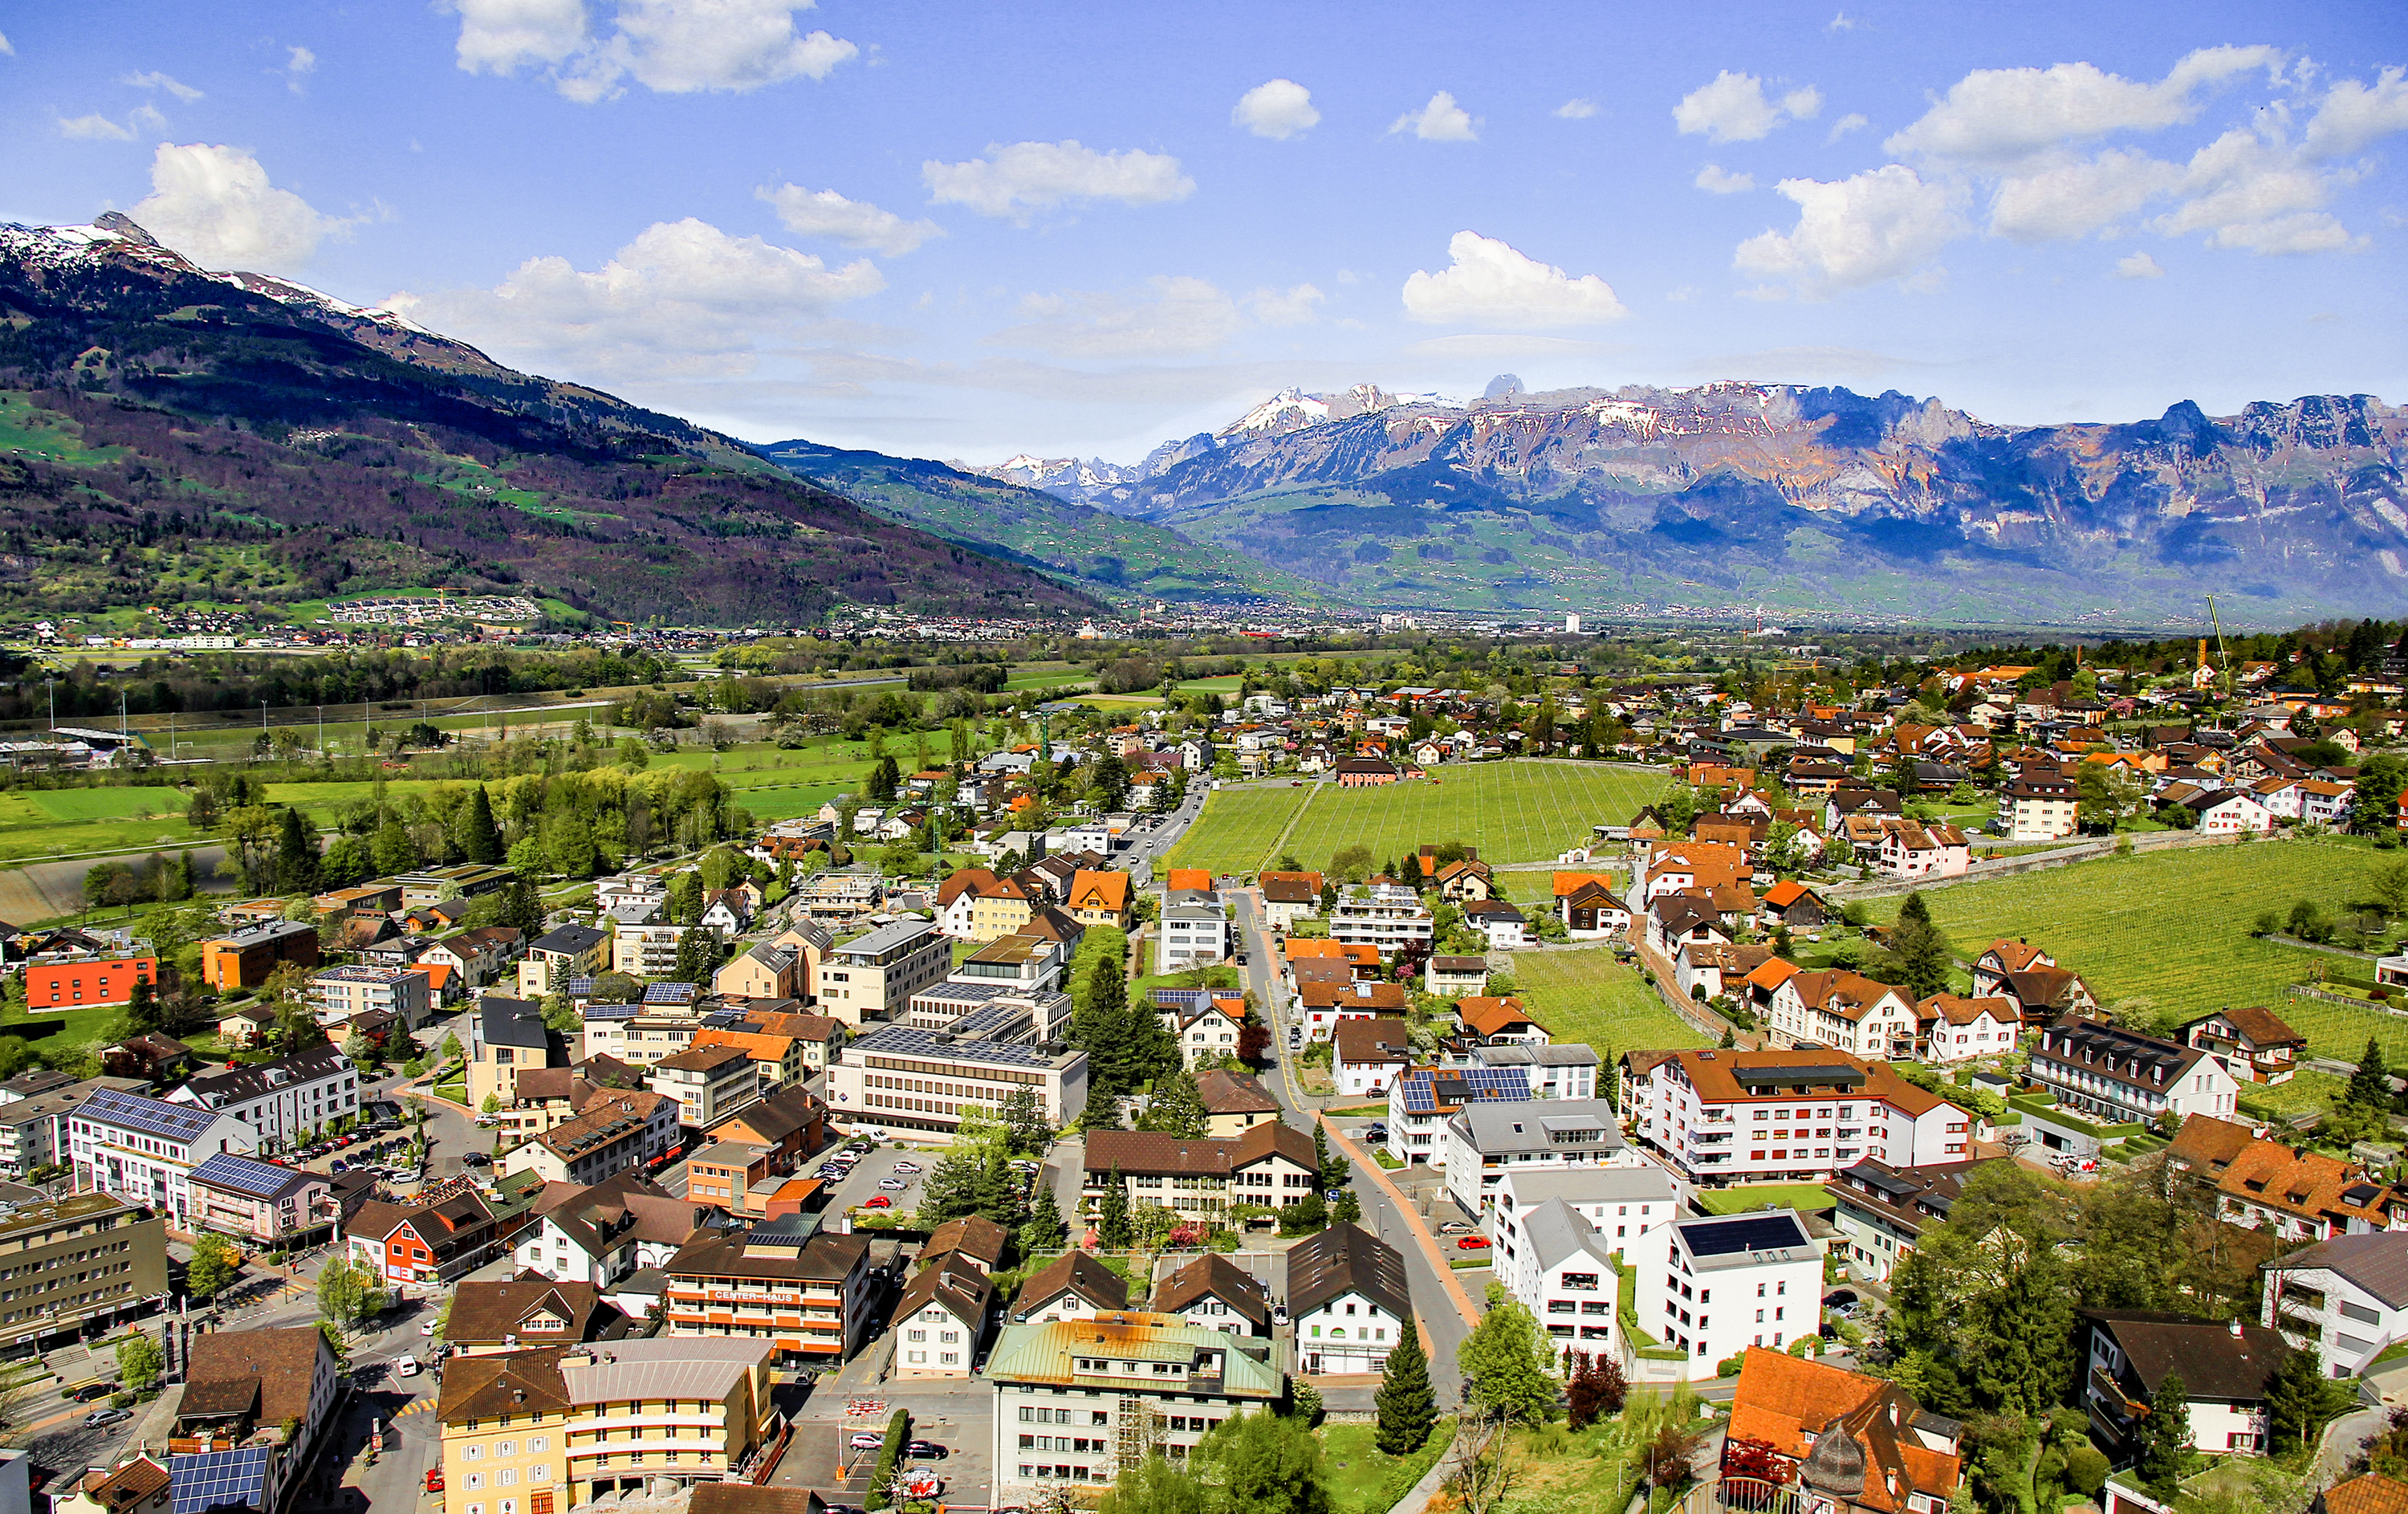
{"type": "Point", "coordinates": [1365, 1481]}
{"type": "Point", "coordinates": [2172, 929]}
{"type": "Point", "coordinates": [1512, 812]}
{"type": "Point", "coordinates": [1588, 996]}
{"type": "Point", "coordinates": [1732, 1200]}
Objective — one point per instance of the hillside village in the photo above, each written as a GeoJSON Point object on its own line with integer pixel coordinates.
{"type": "Point", "coordinates": [807, 1104]}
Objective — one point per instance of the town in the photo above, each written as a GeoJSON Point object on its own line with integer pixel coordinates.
{"type": "Point", "coordinates": [1374, 1070]}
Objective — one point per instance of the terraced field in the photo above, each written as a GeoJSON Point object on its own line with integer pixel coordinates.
{"type": "Point", "coordinates": [2172, 927]}
{"type": "Point", "coordinates": [1512, 812]}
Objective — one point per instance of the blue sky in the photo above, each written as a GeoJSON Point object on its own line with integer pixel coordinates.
{"type": "Point", "coordinates": [967, 231]}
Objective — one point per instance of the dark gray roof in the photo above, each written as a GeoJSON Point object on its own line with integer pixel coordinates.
{"type": "Point", "coordinates": [568, 938]}
{"type": "Point", "coordinates": [2214, 1362]}
{"type": "Point", "coordinates": [2377, 1263]}
{"type": "Point", "coordinates": [1345, 1258]}
{"type": "Point", "coordinates": [512, 1022]}
{"type": "Point", "coordinates": [236, 1085]}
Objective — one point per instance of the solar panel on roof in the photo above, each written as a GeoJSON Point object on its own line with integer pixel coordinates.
{"type": "Point", "coordinates": [215, 1481]}
{"type": "Point", "coordinates": [910, 1040]}
{"type": "Point", "coordinates": [152, 1117]}
{"type": "Point", "coordinates": [240, 1174]}
{"type": "Point", "coordinates": [1742, 1233]}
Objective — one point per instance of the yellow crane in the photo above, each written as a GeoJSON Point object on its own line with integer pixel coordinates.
{"type": "Point", "coordinates": [2223, 657]}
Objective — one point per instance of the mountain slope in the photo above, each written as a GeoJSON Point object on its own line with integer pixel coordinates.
{"type": "Point", "coordinates": [1806, 499]}
{"type": "Point", "coordinates": [1113, 553]}
{"type": "Point", "coordinates": [156, 414]}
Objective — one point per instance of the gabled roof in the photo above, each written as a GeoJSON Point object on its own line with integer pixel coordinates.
{"type": "Point", "coordinates": [1488, 1015]}
{"type": "Point", "coordinates": [1346, 1258]}
{"type": "Point", "coordinates": [1237, 1093]}
{"type": "Point", "coordinates": [1844, 1427]}
{"type": "Point", "coordinates": [1361, 1041]}
{"type": "Point", "coordinates": [284, 1361]}
{"type": "Point", "coordinates": [1213, 1276]}
{"type": "Point", "coordinates": [953, 1282]}
{"type": "Point", "coordinates": [490, 1313]}
{"type": "Point", "coordinates": [2262, 1026]}
{"type": "Point", "coordinates": [1074, 1272]}
{"type": "Point", "coordinates": [2214, 1359]}
{"type": "Point", "coordinates": [973, 1235]}
{"type": "Point", "coordinates": [2377, 1263]}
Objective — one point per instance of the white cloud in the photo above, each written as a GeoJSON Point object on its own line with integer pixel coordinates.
{"type": "Point", "coordinates": [851, 222]}
{"type": "Point", "coordinates": [94, 128]}
{"type": "Point", "coordinates": [2000, 114]}
{"type": "Point", "coordinates": [1840, 22]}
{"type": "Point", "coordinates": [1019, 178]}
{"type": "Point", "coordinates": [1440, 121]}
{"type": "Point", "coordinates": [2074, 197]}
{"type": "Point", "coordinates": [682, 299]}
{"type": "Point", "coordinates": [2138, 265]}
{"type": "Point", "coordinates": [1714, 180]}
{"type": "Point", "coordinates": [1490, 284]}
{"type": "Point", "coordinates": [7, 49]}
{"type": "Point", "coordinates": [1278, 111]}
{"type": "Point", "coordinates": [156, 81]}
{"type": "Point", "coordinates": [1733, 108]}
{"type": "Point", "coordinates": [300, 61]}
{"type": "Point", "coordinates": [1292, 307]}
{"type": "Point", "coordinates": [1852, 121]}
{"type": "Point", "coordinates": [1182, 318]}
{"type": "Point", "coordinates": [671, 47]}
{"type": "Point", "coordinates": [1883, 223]}
{"type": "Point", "coordinates": [215, 206]}
{"type": "Point", "coordinates": [1580, 110]}
{"type": "Point", "coordinates": [2246, 193]}
{"type": "Point", "coordinates": [2353, 115]}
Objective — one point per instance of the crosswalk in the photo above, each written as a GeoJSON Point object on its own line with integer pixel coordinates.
{"type": "Point", "coordinates": [415, 1406]}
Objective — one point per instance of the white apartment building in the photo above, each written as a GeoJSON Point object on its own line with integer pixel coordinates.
{"type": "Point", "coordinates": [2102, 1074]}
{"type": "Point", "coordinates": [1621, 1204]}
{"type": "Point", "coordinates": [1486, 1141]}
{"type": "Point", "coordinates": [1723, 1116]}
{"type": "Point", "coordinates": [873, 977]}
{"type": "Point", "coordinates": [280, 1101]}
{"type": "Point", "coordinates": [2041, 806]}
{"type": "Point", "coordinates": [1552, 1071]}
{"type": "Point", "coordinates": [1384, 916]}
{"type": "Point", "coordinates": [33, 1130]}
{"type": "Point", "coordinates": [1711, 1288]}
{"type": "Point", "coordinates": [143, 1150]}
{"type": "Point", "coordinates": [1348, 1300]}
{"type": "Point", "coordinates": [1421, 1100]}
{"type": "Point", "coordinates": [1564, 1273]}
{"type": "Point", "coordinates": [649, 950]}
{"type": "Point", "coordinates": [2346, 1297]}
{"type": "Point", "coordinates": [1844, 1010]}
{"type": "Point", "coordinates": [1191, 932]}
{"type": "Point", "coordinates": [342, 993]}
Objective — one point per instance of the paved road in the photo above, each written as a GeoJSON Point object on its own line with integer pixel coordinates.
{"type": "Point", "coordinates": [1173, 827]}
{"type": "Point", "coordinates": [1443, 1321]}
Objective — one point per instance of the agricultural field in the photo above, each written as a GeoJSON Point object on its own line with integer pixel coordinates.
{"type": "Point", "coordinates": [1512, 812]}
{"type": "Point", "coordinates": [2172, 929]}
{"type": "Point", "coordinates": [1588, 996]}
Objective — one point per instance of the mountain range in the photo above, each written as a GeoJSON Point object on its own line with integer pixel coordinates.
{"type": "Point", "coordinates": [172, 435]}
{"type": "Point", "coordinates": [1803, 500]}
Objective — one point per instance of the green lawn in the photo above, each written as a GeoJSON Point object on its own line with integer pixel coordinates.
{"type": "Point", "coordinates": [1732, 1200]}
{"type": "Point", "coordinates": [2172, 929]}
{"type": "Point", "coordinates": [1363, 1479]}
{"type": "Point", "coordinates": [75, 1028]}
{"type": "Point", "coordinates": [1588, 996]}
{"type": "Point", "coordinates": [1512, 812]}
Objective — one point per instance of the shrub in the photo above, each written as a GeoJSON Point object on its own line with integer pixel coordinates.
{"type": "Point", "coordinates": [889, 1455]}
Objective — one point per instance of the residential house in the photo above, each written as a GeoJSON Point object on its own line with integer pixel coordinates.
{"type": "Point", "coordinates": [760, 971]}
{"type": "Point", "coordinates": [2106, 1075]}
{"type": "Point", "coordinates": [1950, 1028]}
{"type": "Point", "coordinates": [1704, 971]}
{"type": "Point", "coordinates": [1421, 1100]}
{"type": "Point", "coordinates": [1367, 1054]}
{"type": "Point", "coordinates": [1505, 927]}
{"type": "Point", "coordinates": [1192, 931]}
{"type": "Point", "coordinates": [1325, 1003]}
{"type": "Point", "coordinates": [1486, 1141]}
{"type": "Point", "coordinates": [1915, 851]}
{"type": "Point", "coordinates": [2040, 804]}
{"type": "Point", "coordinates": [431, 1239]}
{"type": "Point", "coordinates": [2292, 1194]}
{"type": "Point", "coordinates": [1799, 1116]}
{"type": "Point", "coordinates": [805, 1295]}
{"type": "Point", "coordinates": [564, 952]}
{"type": "Point", "coordinates": [524, 1313]}
{"type": "Point", "coordinates": [598, 1235]}
{"type": "Point", "coordinates": [1500, 1021]}
{"type": "Point", "coordinates": [479, 957]}
{"type": "Point", "coordinates": [779, 1059]}
{"type": "Point", "coordinates": [2227, 1372]}
{"type": "Point", "coordinates": [941, 1319]}
{"type": "Point", "coordinates": [1587, 905]}
{"type": "Point", "coordinates": [648, 949]}
{"type": "Point", "coordinates": [2345, 1298]}
{"type": "Point", "coordinates": [277, 1208]}
{"type": "Point", "coordinates": [1845, 1011]}
{"type": "Point", "coordinates": [789, 1124]}
{"type": "Point", "coordinates": [1388, 918]}
{"type": "Point", "coordinates": [255, 1404]}
{"type": "Point", "coordinates": [613, 1135]}
{"type": "Point", "coordinates": [1073, 1286]}
{"type": "Point", "coordinates": [2254, 1043]}
{"type": "Point", "coordinates": [1881, 1211]}
{"type": "Point", "coordinates": [342, 994]}
{"type": "Point", "coordinates": [1348, 1300]}
{"type": "Point", "coordinates": [1561, 1268]}
{"type": "Point", "coordinates": [1269, 1165]}
{"type": "Point", "coordinates": [507, 1036]}
{"type": "Point", "coordinates": [1793, 904]}
{"type": "Point", "coordinates": [1213, 1292]}
{"type": "Point", "coordinates": [1290, 897]}
{"type": "Point", "coordinates": [1207, 1035]}
{"type": "Point", "coordinates": [1236, 1103]}
{"type": "Point", "coordinates": [1841, 1441]}
{"type": "Point", "coordinates": [1449, 978]}
{"type": "Point", "coordinates": [1099, 897]}
{"type": "Point", "coordinates": [707, 1082]}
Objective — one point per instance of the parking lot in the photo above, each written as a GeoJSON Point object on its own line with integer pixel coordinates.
{"type": "Point", "coordinates": [875, 1169]}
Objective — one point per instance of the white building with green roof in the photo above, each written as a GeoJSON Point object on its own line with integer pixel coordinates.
{"type": "Point", "coordinates": [1076, 1400]}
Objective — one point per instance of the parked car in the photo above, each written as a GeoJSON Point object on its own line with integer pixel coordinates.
{"type": "Point", "coordinates": [893, 1185]}
{"type": "Point", "coordinates": [878, 1201]}
{"type": "Point", "coordinates": [475, 1159]}
{"type": "Point", "coordinates": [100, 1417]}
{"type": "Point", "coordinates": [434, 1479]}
{"type": "Point", "coordinates": [907, 1168]}
{"type": "Point", "coordinates": [928, 1448]}
{"type": "Point", "coordinates": [427, 1328]}
{"type": "Point", "coordinates": [866, 1441]}
{"type": "Point", "coordinates": [1472, 1242]}
{"type": "Point", "coordinates": [1453, 1226]}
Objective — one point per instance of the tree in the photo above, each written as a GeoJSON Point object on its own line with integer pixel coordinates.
{"type": "Point", "coordinates": [2369, 1086]}
{"type": "Point", "coordinates": [1112, 1215]}
{"type": "Point", "coordinates": [2165, 1436]}
{"type": "Point", "coordinates": [1346, 1210]}
{"type": "Point", "coordinates": [1025, 1127]}
{"type": "Point", "coordinates": [1045, 1230]}
{"type": "Point", "coordinates": [884, 779]}
{"type": "Point", "coordinates": [1265, 1463]}
{"type": "Point", "coordinates": [1919, 959]}
{"type": "Point", "coordinates": [1332, 1170]}
{"type": "Point", "coordinates": [142, 1011]}
{"type": "Point", "coordinates": [473, 831]}
{"type": "Point", "coordinates": [348, 1292]}
{"type": "Point", "coordinates": [1306, 1216]}
{"type": "Point", "coordinates": [393, 851]}
{"type": "Point", "coordinates": [1177, 1108]}
{"type": "Point", "coordinates": [1407, 1409]}
{"type": "Point", "coordinates": [2300, 1400]}
{"type": "Point", "coordinates": [1479, 1464]}
{"type": "Point", "coordinates": [1594, 1389]}
{"type": "Point", "coordinates": [1102, 1111]}
{"type": "Point", "coordinates": [520, 909]}
{"type": "Point", "coordinates": [699, 954]}
{"type": "Point", "coordinates": [140, 1361]}
{"type": "Point", "coordinates": [1154, 1485]}
{"type": "Point", "coordinates": [1506, 1357]}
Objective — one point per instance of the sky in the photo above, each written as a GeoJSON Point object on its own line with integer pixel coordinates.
{"type": "Point", "coordinates": [959, 231]}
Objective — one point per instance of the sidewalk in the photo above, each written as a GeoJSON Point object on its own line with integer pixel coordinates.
{"type": "Point", "coordinates": [1412, 1220]}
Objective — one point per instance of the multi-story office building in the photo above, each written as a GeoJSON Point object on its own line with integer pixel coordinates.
{"type": "Point", "coordinates": [904, 1078]}
{"type": "Point", "coordinates": [779, 1285]}
{"type": "Point", "coordinates": [1077, 1400]}
{"type": "Point", "coordinates": [873, 977]}
{"type": "Point", "coordinates": [569, 951]}
{"type": "Point", "coordinates": [32, 1128]}
{"type": "Point", "coordinates": [86, 1260]}
{"type": "Point", "coordinates": [339, 994]}
{"type": "Point", "coordinates": [283, 1100]}
{"type": "Point", "coordinates": [143, 1150]}
{"type": "Point", "coordinates": [1800, 1116]}
{"type": "Point", "coordinates": [558, 1427]}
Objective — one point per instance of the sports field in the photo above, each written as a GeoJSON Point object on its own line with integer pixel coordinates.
{"type": "Point", "coordinates": [1588, 996]}
{"type": "Point", "coordinates": [2172, 927]}
{"type": "Point", "coordinates": [1512, 812]}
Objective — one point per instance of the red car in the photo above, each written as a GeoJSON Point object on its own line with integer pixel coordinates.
{"type": "Point", "coordinates": [879, 1200]}
{"type": "Point", "coordinates": [434, 1479]}
{"type": "Point", "coordinates": [1472, 1242]}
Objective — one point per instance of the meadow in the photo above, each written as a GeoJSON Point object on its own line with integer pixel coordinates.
{"type": "Point", "coordinates": [2171, 929]}
{"type": "Point", "coordinates": [1512, 812]}
{"type": "Point", "coordinates": [1588, 996]}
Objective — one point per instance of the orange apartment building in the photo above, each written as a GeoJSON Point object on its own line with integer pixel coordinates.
{"type": "Point", "coordinates": [805, 1295]}
{"type": "Point", "coordinates": [87, 980]}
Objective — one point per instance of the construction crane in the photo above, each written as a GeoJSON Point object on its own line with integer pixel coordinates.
{"type": "Point", "coordinates": [2223, 657]}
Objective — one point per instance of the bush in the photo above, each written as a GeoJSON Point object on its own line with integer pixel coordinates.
{"type": "Point", "coordinates": [121, 1401]}
{"type": "Point", "coordinates": [889, 1455]}
{"type": "Point", "coordinates": [1728, 1367]}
